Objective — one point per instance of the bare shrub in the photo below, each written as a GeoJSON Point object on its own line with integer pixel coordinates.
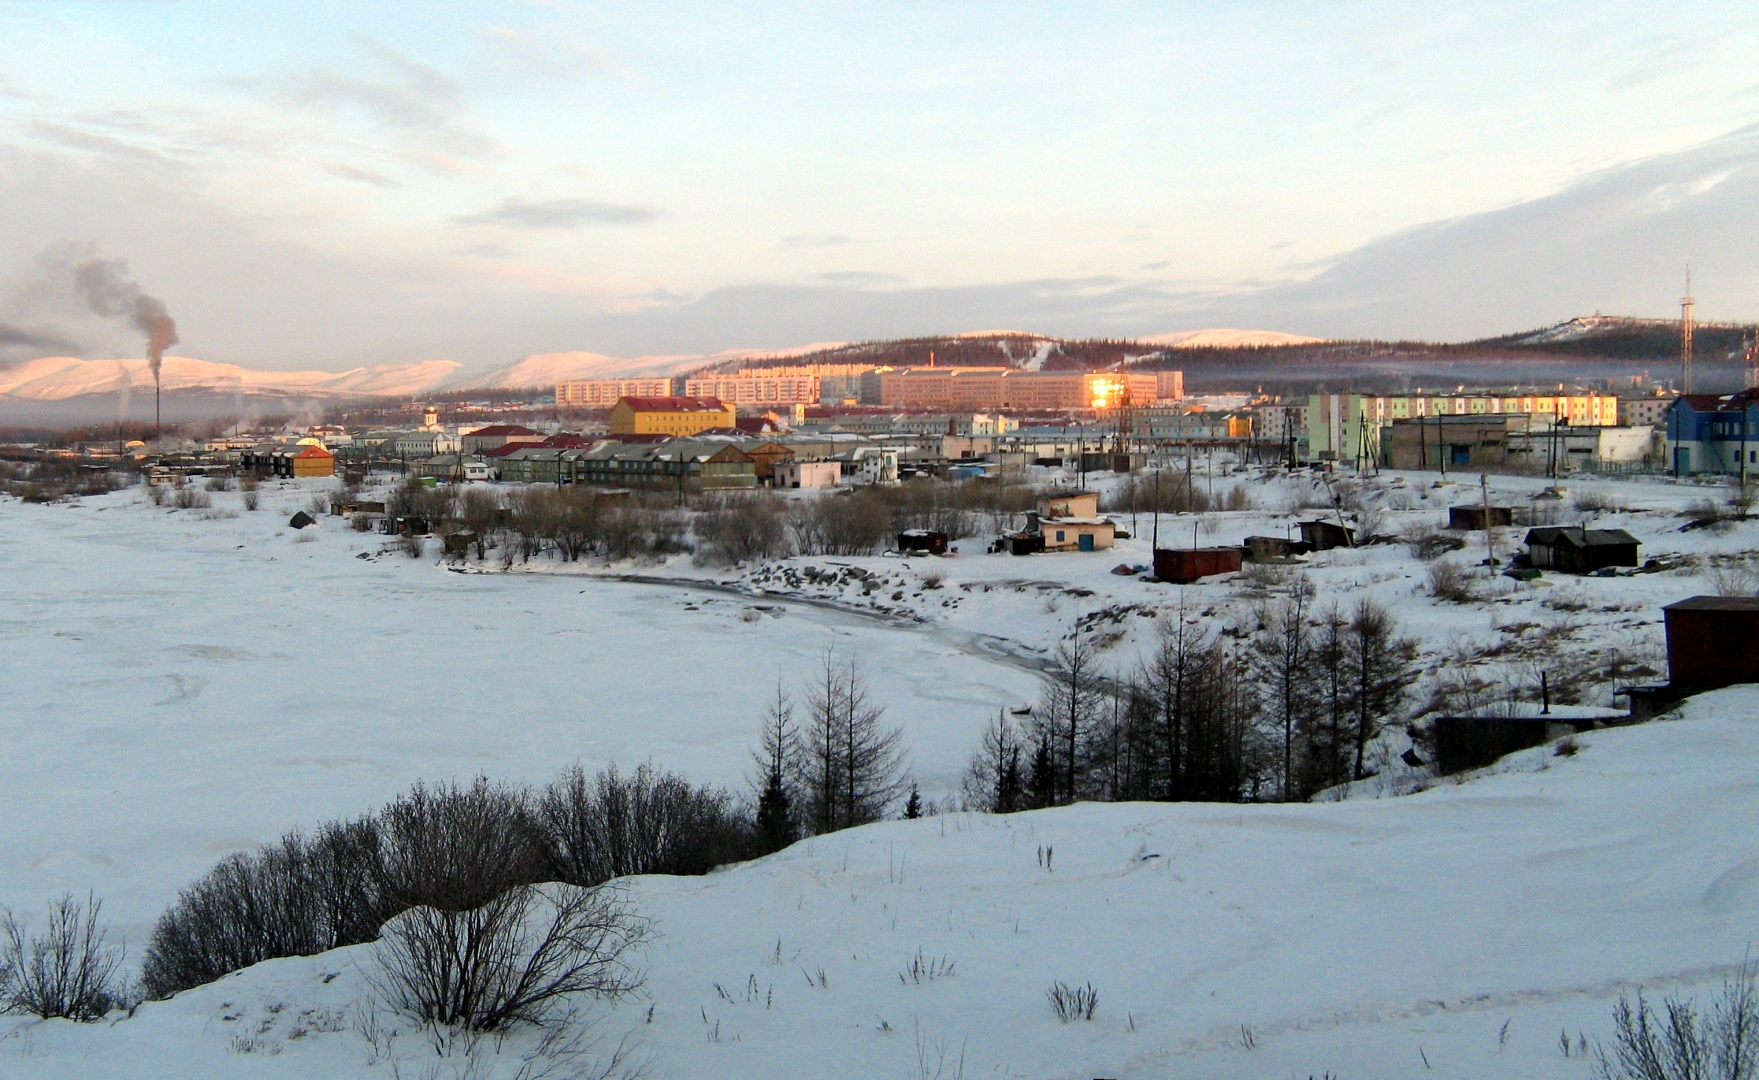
{"type": "Point", "coordinates": [248, 495]}
{"type": "Point", "coordinates": [220, 482]}
{"type": "Point", "coordinates": [296, 897]}
{"type": "Point", "coordinates": [1682, 1042]}
{"type": "Point", "coordinates": [1073, 1003]}
{"type": "Point", "coordinates": [412, 545]}
{"type": "Point", "coordinates": [361, 522]}
{"type": "Point", "coordinates": [1706, 514]}
{"type": "Point", "coordinates": [1449, 582]}
{"type": "Point", "coordinates": [66, 972]}
{"type": "Point", "coordinates": [1262, 577]}
{"type": "Point", "coordinates": [1595, 502]}
{"type": "Point", "coordinates": [1733, 579]}
{"type": "Point", "coordinates": [1237, 497]}
{"type": "Point", "coordinates": [1427, 543]}
{"type": "Point", "coordinates": [319, 505]}
{"type": "Point", "coordinates": [848, 522]}
{"type": "Point", "coordinates": [595, 828]}
{"type": "Point", "coordinates": [739, 528]}
{"type": "Point", "coordinates": [456, 848]}
{"type": "Point", "coordinates": [189, 498]}
{"type": "Point", "coordinates": [156, 494]}
{"type": "Point", "coordinates": [1167, 491]}
{"type": "Point", "coordinates": [517, 958]}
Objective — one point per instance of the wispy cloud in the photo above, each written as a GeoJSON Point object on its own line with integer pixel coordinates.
{"type": "Point", "coordinates": [365, 176]}
{"type": "Point", "coordinates": [822, 240]}
{"type": "Point", "coordinates": [859, 278]}
{"type": "Point", "coordinates": [395, 93]}
{"type": "Point", "coordinates": [560, 214]}
{"type": "Point", "coordinates": [555, 54]}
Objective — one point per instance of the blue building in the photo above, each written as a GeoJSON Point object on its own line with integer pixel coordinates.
{"type": "Point", "coordinates": [1714, 433]}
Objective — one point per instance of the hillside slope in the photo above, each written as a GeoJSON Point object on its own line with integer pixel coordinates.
{"type": "Point", "coordinates": [1455, 933]}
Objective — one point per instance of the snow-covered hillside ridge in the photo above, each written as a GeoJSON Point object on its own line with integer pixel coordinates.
{"type": "Point", "coordinates": [1467, 927]}
{"type": "Point", "coordinates": [58, 378]}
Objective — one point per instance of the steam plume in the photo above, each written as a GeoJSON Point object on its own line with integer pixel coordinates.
{"type": "Point", "coordinates": [108, 291]}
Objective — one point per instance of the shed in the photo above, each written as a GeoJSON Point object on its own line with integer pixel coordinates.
{"type": "Point", "coordinates": [1325, 535]}
{"type": "Point", "coordinates": [1712, 641]}
{"type": "Point", "coordinates": [1025, 543]}
{"type": "Point", "coordinates": [1184, 566]}
{"type": "Point", "coordinates": [1273, 549]}
{"type": "Point", "coordinates": [1473, 518]}
{"type": "Point", "coordinates": [1580, 550]}
{"type": "Point", "coordinates": [1472, 742]}
{"type": "Point", "coordinates": [924, 540]}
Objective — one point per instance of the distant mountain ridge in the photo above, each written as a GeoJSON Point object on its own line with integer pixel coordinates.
{"type": "Point", "coordinates": [1595, 346]}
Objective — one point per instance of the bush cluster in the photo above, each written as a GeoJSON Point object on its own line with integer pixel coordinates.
{"type": "Point", "coordinates": [54, 480]}
{"type": "Point", "coordinates": [447, 848]}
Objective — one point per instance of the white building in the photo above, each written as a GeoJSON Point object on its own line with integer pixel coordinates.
{"type": "Point", "coordinates": [421, 445]}
{"type": "Point", "coordinates": [806, 474]}
{"type": "Point", "coordinates": [878, 465]}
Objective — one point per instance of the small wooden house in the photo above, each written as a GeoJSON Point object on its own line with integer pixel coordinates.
{"type": "Point", "coordinates": [1183, 566]}
{"type": "Point", "coordinates": [1580, 550]}
{"type": "Point", "coordinates": [1274, 549]}
{"type": "Point", "coordinates": [1712, 641]}
{"type": "Point", "coordinates": [1325, 535]}
{"type": "Point", "coordinates": [1472, 742]}
{"type": "Point", "coordinates": [1475, 518]}
{"type": "Point", "coordinates": [926, 541]}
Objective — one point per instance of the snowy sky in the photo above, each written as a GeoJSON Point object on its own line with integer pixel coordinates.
{"type": "Point", "coordinates": [359, 183]}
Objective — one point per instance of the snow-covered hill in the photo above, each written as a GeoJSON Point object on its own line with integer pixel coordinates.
{"type": "Point", "coordinates": [547, 369]}
{"type": "Point", "coordinates": [1456, 933]}
{"type": "Point", "coordinates": [59, 378]}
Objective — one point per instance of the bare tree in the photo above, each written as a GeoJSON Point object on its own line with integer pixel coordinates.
{"type": "Point", "coordinates": [852, 768]}
{"type": "Point", "coordinates": [1072, 697]}
{"type": "Point", "coordinates": [480, 513]}
{"type": "Point", "coordinates": [993, 778]}
{"type": "Point", "coordinates": [1380, 666]}
{"type": "Point", "coordinates": [1282, 661]}
{"type": "Point", "coordinates": [777, 763]}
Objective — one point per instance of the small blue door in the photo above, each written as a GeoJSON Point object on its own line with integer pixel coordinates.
{"type": "Point", "coordinates": [1085, 541]}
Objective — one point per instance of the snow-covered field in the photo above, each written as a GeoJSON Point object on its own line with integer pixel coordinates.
{"type": "Point", "coordinates": [1469, 926]}
{"type": "Point", "coordinates": [177, 687]}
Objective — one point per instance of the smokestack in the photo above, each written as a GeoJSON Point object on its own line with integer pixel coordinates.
{"type": "Point", "coordinates": [108, 291]}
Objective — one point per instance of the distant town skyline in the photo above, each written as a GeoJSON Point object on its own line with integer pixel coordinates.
{"type": "Point", "coordinates": [328, 186]}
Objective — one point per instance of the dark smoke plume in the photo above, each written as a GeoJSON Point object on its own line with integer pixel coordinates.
{"type": "Point", "coordinates": [108, 291]}
{"type": "Point", "coordinates": [105, 285]}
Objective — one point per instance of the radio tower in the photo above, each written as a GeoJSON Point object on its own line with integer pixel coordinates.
{"type": "Point", "coordinates": [1686, 303]}
{"type": "Point", "coordinates": [1752, 382]}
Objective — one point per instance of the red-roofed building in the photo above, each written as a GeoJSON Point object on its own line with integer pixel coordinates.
{"type": "Point", "coordinates": [498, 435]}
{"type": "Point", "coordinates": [681, 416]}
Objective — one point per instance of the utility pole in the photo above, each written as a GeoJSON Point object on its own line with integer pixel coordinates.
{"type": "Point", "coordinates": [1686, 305]}
{"type": "Point", "coordinates": [1489, 536]}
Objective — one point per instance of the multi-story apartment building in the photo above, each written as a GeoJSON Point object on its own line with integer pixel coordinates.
{"type": "Point", "coordinates": [603, 393]}
{"type": "Point", "coordinates": [1348, 427]}
{"type": "Point", "coordinates": [756, 388]}
{"type": "Point", "coordinates": [976, 388]}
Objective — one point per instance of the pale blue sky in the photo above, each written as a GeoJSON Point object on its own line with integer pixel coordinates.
{"type": "Point", "coordinates": [322, 182]}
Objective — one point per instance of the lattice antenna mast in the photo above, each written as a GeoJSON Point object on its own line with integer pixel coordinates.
{"type": "Point", "coordinates": [1686, 305]}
